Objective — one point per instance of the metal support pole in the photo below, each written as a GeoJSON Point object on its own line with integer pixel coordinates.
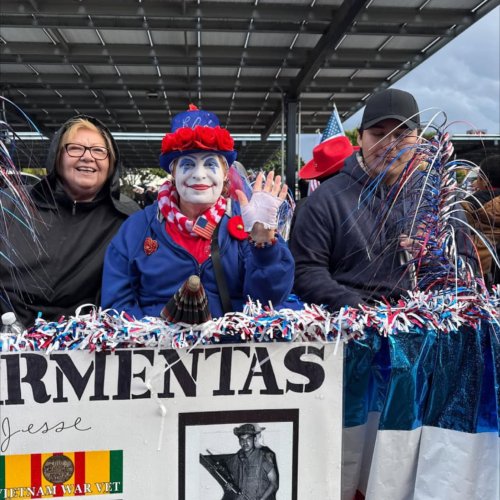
{"type": "Point", "coordinates": [299, 152]}
{"type": "Point", "coordinates": [283, 114]}
{"type": "Point", "coordinates": [291, 143]}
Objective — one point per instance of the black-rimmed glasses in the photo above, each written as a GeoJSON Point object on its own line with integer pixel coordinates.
{"type": "Point", "coordinates": [77, 151]}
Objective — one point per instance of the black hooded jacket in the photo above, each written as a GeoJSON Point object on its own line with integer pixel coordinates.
{"type": "Point", "coordinates": [62, 268]}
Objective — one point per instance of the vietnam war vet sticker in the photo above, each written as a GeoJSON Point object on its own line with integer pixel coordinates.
{"type": "Point", "coordinates": [68, 474]}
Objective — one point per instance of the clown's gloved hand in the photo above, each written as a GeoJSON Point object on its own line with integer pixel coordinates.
{"type": "Point", "coordinates": [260, 214]}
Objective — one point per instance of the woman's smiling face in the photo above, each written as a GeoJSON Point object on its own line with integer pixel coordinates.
{"type": "Point", "coordinates": [83, 176]}
{"type": "Point", "coordinates": [199, 178]}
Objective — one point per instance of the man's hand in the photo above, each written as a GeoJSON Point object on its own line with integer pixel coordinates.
{"type": "Point", "coordinates": [415, 246]}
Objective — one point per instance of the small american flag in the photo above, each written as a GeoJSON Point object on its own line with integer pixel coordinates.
{"type": "Point", "coordinates": [334, 126]}
{"type": "Point", "coordinates": [203, 227]}
{"type": "Point", "coordinates": [313, 185]}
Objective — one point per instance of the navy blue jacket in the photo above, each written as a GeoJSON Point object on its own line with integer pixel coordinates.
{"type": "Point", "coordinates": [346, 241]}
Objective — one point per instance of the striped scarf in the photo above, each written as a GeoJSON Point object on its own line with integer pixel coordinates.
{"type": "Point", "coordinates": [168, 202]}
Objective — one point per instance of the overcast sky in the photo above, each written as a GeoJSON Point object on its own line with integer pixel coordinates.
{"type": "Point", "coordinates": [462, 79]}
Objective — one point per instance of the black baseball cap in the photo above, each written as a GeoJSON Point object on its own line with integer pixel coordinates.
{"type": "Point", "coordinates": [391, 103]}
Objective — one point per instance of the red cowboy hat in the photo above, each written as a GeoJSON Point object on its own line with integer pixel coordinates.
{"type": "Point", "coordinates": [328, 158]}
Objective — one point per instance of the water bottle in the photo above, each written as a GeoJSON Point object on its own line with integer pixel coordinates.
{"type": "Point", "coordinates": [10, 324]}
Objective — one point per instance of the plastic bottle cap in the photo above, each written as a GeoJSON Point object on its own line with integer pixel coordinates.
{"type": "Point", "coordinates": [8, 318]}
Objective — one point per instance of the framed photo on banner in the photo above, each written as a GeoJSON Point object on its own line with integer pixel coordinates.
{"type": "Point", "coordinates": [229, 421]}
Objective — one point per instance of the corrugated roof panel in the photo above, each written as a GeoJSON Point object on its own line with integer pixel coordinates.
{"type": "Point", "coordinates": [372, 73]}
{"type": "Point", "coordinates": [270, 40]}
{"type": "Point", "coordinates": [217, 95]}
{"type": "Point", "coordinates": [223, 38]}
{"type": "Point", "coordinates": [125, 37]}
{"type": "Point", "coordinates": [329, 2]}
{"type": "Point", "coordinates": [307, 40]}
{"type": "Point", "coordinates": [180, 94]}
{"type": "Point", "coordinates": [346, 96]}
{"type": "Point", "coordinates": [316, 95]}
{"type": "Point", "coordinates": [115, 93]}
{"type": "Point", "coordinates": [230, 72]}
{"type": "Point", "coordinates": [137, 70]}
{"type": "Point", "coordinates": [100, 69]}
{"type": "Point", "coordinates": [289, 72]}
{"type": "Point", "coordinates": [54, 68]}
{"type": "Point", "coordinates": [336, 72]}
{"type": "Point", "coordinates": [42, 93]}
{"type": "Point", "coordinates": [255, 95]}
{"type": "Point", "coordinates": [14, 68]}
{"type": "Point", "coordinates": [225, 1]}
{"type": "Point", "coordinates": [292, 2]}
{"type": "Point", "coordinates": [253, 72]}
{"type": "Point", "coordinates": [24, 35]}
{"type": "Point", "coordinates": [88, 36]}
{"type": "Point", "coordinates": [363, 41]}
{"type": "Point", "coordinates": [397, 3]}
{"type": "Point", "coordinates": [168, 37]}
{"type": "Point", "coordinates": [452, 4]}
{"type": "Point", "coordinates": [409, 42]}
{"type": "Point", "coordinates": [173, 70]}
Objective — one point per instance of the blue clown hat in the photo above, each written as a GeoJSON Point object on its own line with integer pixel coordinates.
{"type": "Point", "coordinates": [195, 131]}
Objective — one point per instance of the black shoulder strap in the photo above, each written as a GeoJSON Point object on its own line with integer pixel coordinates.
{"type": "Point", "coordinates": [219, 272]}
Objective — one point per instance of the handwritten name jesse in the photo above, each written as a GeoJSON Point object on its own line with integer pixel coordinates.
{"type": "Point", "coordinates": [7, 432]}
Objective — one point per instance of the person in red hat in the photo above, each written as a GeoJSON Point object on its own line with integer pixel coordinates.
{"type": "Point", "coordinates": [203, 224]}
{"type": "Point", "coordinates": [327, 161]}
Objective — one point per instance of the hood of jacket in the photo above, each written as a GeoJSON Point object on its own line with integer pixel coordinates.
{"type": "Point", "coordinates": [43, 192]}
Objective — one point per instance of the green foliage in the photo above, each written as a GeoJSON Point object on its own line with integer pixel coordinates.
{"type": "Point", "coordinates": [131, 177]}
{"type": "Point", "coordinates": [274, 163]}
{"type": "Point", "coordinates": [352, 135]}
{"type": "Point", "coordinates": [40, 172]}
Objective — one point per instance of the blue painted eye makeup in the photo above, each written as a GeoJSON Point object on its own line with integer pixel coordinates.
{"type": "Point", "coordinates": [211, 163]}
{"type": "Point", "coordinates": [186, 163]}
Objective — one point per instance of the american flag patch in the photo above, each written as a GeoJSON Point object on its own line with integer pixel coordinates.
{"type": "Point", "coordinates": [202, 227]}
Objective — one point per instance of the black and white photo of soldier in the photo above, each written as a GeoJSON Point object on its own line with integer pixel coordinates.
{"type": "Point", "coordinates": [249, 474]}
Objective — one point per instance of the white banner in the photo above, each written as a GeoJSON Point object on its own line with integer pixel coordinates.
{"type": "Point", "coordinates": [233, 421]}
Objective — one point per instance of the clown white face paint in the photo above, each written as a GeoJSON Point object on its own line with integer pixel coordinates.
{"type": "Point", "coordinates": [199, 178]}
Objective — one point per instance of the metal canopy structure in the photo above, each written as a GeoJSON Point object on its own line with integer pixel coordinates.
{"type": "Point", "coordinates": [135, 63]}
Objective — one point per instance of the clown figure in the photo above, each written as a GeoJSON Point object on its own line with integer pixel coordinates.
{"type": "Point", "coordinates": [202, 224]}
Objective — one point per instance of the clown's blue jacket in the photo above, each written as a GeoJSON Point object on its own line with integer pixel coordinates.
{"type": "Point", "coordinates": [142, 284]}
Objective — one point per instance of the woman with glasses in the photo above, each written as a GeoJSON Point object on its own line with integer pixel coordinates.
{"type": "Point", "coordinates": [79, 211]}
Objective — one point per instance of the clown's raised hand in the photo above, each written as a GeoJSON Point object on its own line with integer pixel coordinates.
{"type": "Point", "coordinates": [260, 214]}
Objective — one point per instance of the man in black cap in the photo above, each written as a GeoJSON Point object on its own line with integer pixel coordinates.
{"type": "Point", "coordinates": [388, 131]}
{"type": "Point", "coordinates": [252, 472]}
{"type": "Point", "coordinates": [345, 253]}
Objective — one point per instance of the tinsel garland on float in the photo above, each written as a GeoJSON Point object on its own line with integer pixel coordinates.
{"type": "Point", "coordinates": [105, 330]}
